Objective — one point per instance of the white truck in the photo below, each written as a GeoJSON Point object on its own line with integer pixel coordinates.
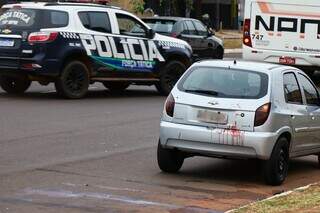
{"type": "Point", "coordinates": [283, 31]}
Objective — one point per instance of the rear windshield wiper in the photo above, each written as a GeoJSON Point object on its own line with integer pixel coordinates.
{"type": "Point", "coordinates": [199, 91]}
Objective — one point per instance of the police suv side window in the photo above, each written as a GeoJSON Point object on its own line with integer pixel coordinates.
{"type": "Point", "coordinates": [129, 26]}
{"type": "Point", "coordinates": [310, 91]}
{"type": "Point", "coordinates": [291, 89]}
{"type": "Point", "coordinates": [96, 21]}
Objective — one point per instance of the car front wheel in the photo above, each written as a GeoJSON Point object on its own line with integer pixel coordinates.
{"type": "Point", "coordinates": [74, 81]}
{"type": "Point", "coordinates": [14, 85]}
{"type": "Point", "coordinates": [169, 160]}
{"type": "Point", "coordinates": [276, 168]}
{"type": "Point", "coordinates": [169, 76]}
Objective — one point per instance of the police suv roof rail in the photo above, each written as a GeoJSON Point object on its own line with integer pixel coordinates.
{"type": "Point", "coordinates": [93, 3]}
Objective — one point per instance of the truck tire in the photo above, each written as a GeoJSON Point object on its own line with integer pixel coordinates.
{"type": "Point", "coordinates": [116, 87]}
{"type": "Point", "coordinates": [73, 82]}
{"type": "Point", "coordinates": [276, 168]}
{"type": "Point", "coordinates": [169, 76]}
{"type": "Point", "coordinates": [14, 85]}
{"type": "Point", "coordinates": [169, 161]}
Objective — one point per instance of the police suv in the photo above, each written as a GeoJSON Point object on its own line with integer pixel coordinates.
{"type": "Point", "coordinates": [76, 44]}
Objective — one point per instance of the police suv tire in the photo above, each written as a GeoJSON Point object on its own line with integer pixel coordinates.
{"type": "Point", "coordinates": [276, 168]}
{"type": "Point", "coordinates": [169, 160]}
{"type": "Point", "coordinates": [169, 76]}
{"type": "Point", "coordinates": [14, 85]}
{"type": "Point", "coordinates": [116, 86]}
{"type": "Point", "coordinates": [73, 82]}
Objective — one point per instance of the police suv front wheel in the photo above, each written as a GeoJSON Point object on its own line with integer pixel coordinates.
{"type": "Point", "coordinates": [169, 76]}
{"type": "Point", "coordinates": [73, 82]}
{"type": "Point", "coordinates": [14, 85]}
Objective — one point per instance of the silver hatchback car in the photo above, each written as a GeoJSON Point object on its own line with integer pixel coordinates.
{"type": "Point", "coordinates": [231, 109]}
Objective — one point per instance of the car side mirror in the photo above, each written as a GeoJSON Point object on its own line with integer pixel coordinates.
{"type": "Point", "coordinates": [210, 33]}
{"type": "Point", "coordinates": [151, 33]}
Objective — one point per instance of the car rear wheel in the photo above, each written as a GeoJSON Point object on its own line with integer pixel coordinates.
{"type": "Point", "coordinates": [276, 168]}
{"type": "Point", "coordinates": [14, 85]}
{"type": "Point", "coordinates": [169, 160]}
{"type": "Point", "coordinates": [74, 81]}
{"type": "Point", "coordinates": [219, 53]}
{"type": "Point", "coordinates": [169, 76]}
{"type": "Point", "coordinates": [116, 86]}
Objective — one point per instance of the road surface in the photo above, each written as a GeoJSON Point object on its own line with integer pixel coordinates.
{"type": "Point", "coordinates": [99, 155]}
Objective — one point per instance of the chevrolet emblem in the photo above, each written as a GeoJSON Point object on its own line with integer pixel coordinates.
{"type": "Point", "coordinates": [6, 31]}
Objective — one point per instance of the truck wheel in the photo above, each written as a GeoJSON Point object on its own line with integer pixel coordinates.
{"type": "Point", "coordinates": [116, 86]}
{"type": "Point", "coordinates": [74, 81]}
{"type": "Point", "coordinates": [169, 160]}
{"type": "Point", "coordinates": [14, 85]}
{"type": "Point", "coordinates": [276, 168]}
{"type": "Point", "coordinates": [219, 53]}
{"type": "Point", "coordinates": [169, 76]}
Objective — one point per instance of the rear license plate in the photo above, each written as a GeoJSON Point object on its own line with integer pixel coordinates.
{"type": "Point", "coordinates": [209, 116]}
{"type": "Point", "coordinates": [287, 60]}
{"type": "Point", "coordinates": [6, 43]}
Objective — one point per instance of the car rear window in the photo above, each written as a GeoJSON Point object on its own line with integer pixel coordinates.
{"type": "Point", "coordinates": [160, 26]}
{"type": "Point", "coordinates": [30, 18]}
{"type": "Point", "coordinates": [225, 83]}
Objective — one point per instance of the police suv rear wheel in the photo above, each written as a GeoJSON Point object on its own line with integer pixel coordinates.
{"type": "Point", "coordinates": [74, 81]}
{"type": "Point", "coordinates": [14, 85]}
{"type": "Point", "coordinates": [116, 86]}
{"type": "Point", "coordinates": [169, 76]}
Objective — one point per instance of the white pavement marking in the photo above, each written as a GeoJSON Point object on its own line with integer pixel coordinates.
{"type": "Point", "coordinates": [106, 187]}
{"type": "Point", "coordinates": [95, 195]}
{"type": "Point", "coordinates": [228, 51]}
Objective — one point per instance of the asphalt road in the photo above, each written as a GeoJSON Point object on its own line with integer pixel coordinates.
{"type": "Point", "coordinates": [99, 155]}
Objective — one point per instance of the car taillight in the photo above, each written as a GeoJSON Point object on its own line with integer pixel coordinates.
{"type": "Point", "coordinates": [246, 33]}
{"type": "Point", "coordinates": [262, 114]}
{"type": "Point", "coordinates": [42, 37]}
{"type": "Point", "coordinates": [169, 105]}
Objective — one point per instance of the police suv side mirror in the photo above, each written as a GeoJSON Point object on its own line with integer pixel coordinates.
{"type": "Point", "coordinates": [151, 33]}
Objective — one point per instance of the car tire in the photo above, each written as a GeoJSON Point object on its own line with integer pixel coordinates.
{"type": "Point", "coordinates": [219, 53]}
{"type": "Point", "coordinates": [169, 160]}
{"type": "Point", "coordinates": [169, 76]}
{"type": "Point", "coordinates": [276, 168]}
{"type": "Point", "coordinates": [116, 87]}
{"type": "Point", "coordinates": [73, 82]}
{"type": "Point", "coordinates": [14, 85]}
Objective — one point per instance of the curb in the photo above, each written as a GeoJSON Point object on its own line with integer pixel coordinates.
{"type": "Point", "coordinates": [234, 51]}
{"type": "Point", "coordinates": [274, 196]}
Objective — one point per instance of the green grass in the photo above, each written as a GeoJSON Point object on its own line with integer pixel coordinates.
{"type": "Point", "coordinates": [307, 200]}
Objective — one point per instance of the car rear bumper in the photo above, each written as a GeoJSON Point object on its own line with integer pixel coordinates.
{"type": "Point", "coordinates": [272, 56]}
{"type": "Point", "coordinates": [21, 66]}
{"type": "Point", "coordinates": [217, 142]}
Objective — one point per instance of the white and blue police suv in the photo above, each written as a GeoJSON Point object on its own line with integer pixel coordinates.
{"type": "Point", "coordinates": [75, 44]}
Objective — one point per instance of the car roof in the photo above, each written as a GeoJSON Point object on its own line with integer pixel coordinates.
{"type": "Point", "coordinates": [244, 65]}
{"type": "Point", "coordinates": [170, 18]}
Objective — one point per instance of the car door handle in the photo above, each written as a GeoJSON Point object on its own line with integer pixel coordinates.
{"type": "Point", "coordinates": [293, 117]}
